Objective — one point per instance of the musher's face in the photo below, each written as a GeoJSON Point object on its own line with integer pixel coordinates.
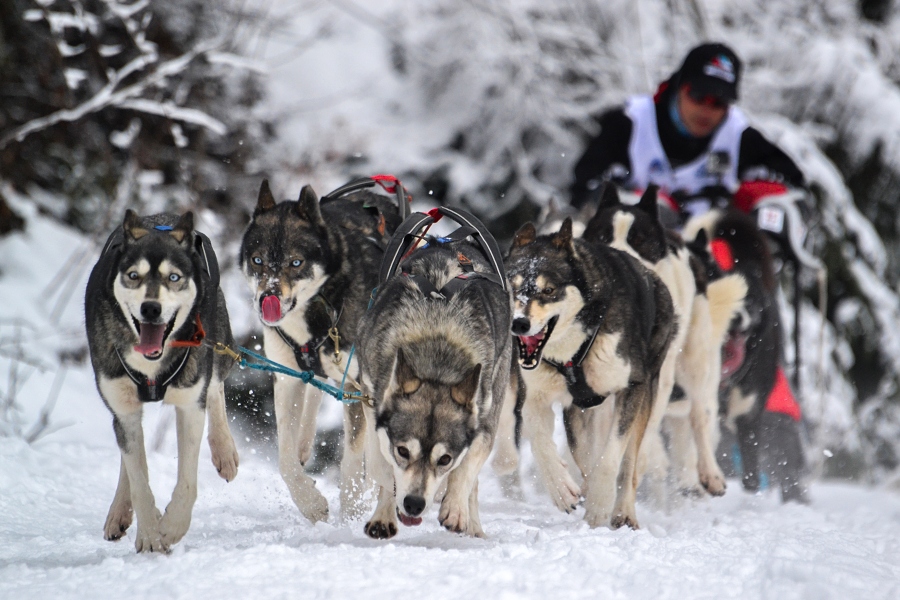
{"type": "Point", "coordinates": [701, 115]}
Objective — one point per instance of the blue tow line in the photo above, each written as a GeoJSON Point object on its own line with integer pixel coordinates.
{"type": "Point", "coordinates": [309, 377]}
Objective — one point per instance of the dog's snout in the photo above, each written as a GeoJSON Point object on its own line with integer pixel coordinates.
{"type": "Point", "coordinates": [150, 311]}
{"type": "Point", "coordinates": [414, 505]}
{"type": "Point", "coordinates": [521, 326]}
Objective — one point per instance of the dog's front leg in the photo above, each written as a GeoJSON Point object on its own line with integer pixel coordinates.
{"type": "Point", "coordinates": [506, 451]}
{"type": "Point", "coordinates": [221, 443]}
{"type": "Point", "coordinates": [383, 524]}
{"type": "Point", "coordinates": [353, 468]}
{"type": "Point", "coordinates": [289, 408]}
{"type": "Point", "coordinates": [175, 522]}
{"type": "Point", "coordinates": [456, 508]}
{"type": "Point", "coordinates": [118, 520]}
{"type": "Point", "coordinates": [538, 420]}
{"type": "Point", "coordinates": [130, 435]}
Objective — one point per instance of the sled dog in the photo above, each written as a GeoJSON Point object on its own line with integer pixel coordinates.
{"type": "Point", "coordinates": [754, 344]}
{"type": "Point", "coordinates": [311, 268]}
{"type": "Point", "coordinates": [592, 326]}
{"type": "Point", "coordinates": [436, 353]}
{"type": "Point", "coordinates": [693, 361]}
{"type": "Point", "coordinates": [151, 298]}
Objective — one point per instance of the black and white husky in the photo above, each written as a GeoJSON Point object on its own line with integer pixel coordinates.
{"type": "Point", "coordinates": [312, 268]}
{"type": "Point", "coordinates": [704, 311]}
{"type": "Point", "coordinates": [592, 326]}
{"type": "Point", "coordinates": [150, 299]}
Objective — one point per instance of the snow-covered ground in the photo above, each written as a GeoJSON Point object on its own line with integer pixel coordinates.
{"type": "Point", "coordinates": [247, 540]}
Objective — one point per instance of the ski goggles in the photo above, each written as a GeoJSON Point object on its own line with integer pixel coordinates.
{"type": "Point", "coordinates": [710, 100]}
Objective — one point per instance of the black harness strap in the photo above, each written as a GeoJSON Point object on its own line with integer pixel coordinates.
{"type": "Point", "coordinates": [583, 396]}
{"type": "Point", "coordinates": [153, 390]}
{"type": "Point", "coordinates": [306, 355]}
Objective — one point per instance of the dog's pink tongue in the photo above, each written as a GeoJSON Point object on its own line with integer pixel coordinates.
{"type": "Point", "coordinates": [271, 309]}
{"type": "Point", "coordinates": [151, 339]}
{"type": "Point", "coordinates": [531, 342]}
{"type": "Point", "coordinates": [410, 521]}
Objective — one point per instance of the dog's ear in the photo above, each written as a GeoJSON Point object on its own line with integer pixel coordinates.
{"type": "Point", "coordinates": [404, 376]}
{"type": "Point", "coordinates": [525, 235]}
{"type": "Point", "coordinates": [132, 226]}
{"type": "Point", "coordinates": [464, 392]}
{"type": "Point", "coordinates": [265, 201]}
{"type": "Point", "coordinates": [701, 240]}
{"type": "Point", "coordinates": [648, 202]}
{"type": "Point", "coordinates": [308, 206]}
{"type": "Point", "coordinates": [183, 228]}
{"type": "Point", "coordinates": [563, 238]}
{"type": "Point", "coordinates": [609, 196]}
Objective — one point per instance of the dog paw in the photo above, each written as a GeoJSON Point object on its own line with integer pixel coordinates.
{"type": "Point", "coordinates": [714, 483]}
{"type": "Point", "coordinates": [454, 516]}
{"type": "Point", "coordinates": [117, 522]}
{"type": "Point", "coordinates": [148, 537]}
{"type": "Point", "coordinates": [224, 456]}
{"type": "Point", "coordinates": [621, 520]}
{"type": "Point", "coordinates": [173, 526]}
{"type": "Point", "coordinates": [596, 518]}
{"type": "Point", "coordinates": [694, 492]}
{"type": "Point", "coordinates": [381, 530]}
{"type": "Point", "coordinates": [564, 492]}
{"type": "Point", "coordinates": [314, 507]}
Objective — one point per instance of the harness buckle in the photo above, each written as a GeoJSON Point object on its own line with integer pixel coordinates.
{"type": "Point", "coordinates": [335, 336]}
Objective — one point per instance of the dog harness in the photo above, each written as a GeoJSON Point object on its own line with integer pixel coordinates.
{"type": "Point", "coordinates": [583, 396]}
{"type": "Point", "coordinates": [454, 285]}
{"type": "Point", "coordinates": [153, 390]}
{"type": "Point", "coordinates": [307, 355]}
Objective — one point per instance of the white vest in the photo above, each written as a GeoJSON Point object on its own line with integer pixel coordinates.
{"type": "Point", "coordinates": [649, 163]}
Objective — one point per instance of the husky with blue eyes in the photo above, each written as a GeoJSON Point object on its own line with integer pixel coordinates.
{"type": "Point", "coordinates": [151, 300]}
{"type": "Point", "coordinates": [312, 266]}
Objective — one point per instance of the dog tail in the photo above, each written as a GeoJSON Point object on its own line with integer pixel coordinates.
{"type": "Point", "coordinates": [726, 298]}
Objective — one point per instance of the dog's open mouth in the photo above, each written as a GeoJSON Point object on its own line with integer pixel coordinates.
{"type": "Point", "coordinates": [407, 520]}
{"type": "Point", "coordinates": [734, 350]}
{"type": "Point", "coordinates": [532, 346]}
{"type": "Point", "coordinates": [270, 308]}
{"type": "Point", "coordinates": [152, 338]}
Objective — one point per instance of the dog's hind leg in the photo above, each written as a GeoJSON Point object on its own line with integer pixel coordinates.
{"type": "Point", "coordinates": [612, 482]}
{"type": "Point", "coordinates": [289, 404]}
{"type": "Point", "coordinates": [455, 513]}
{"type": "Point", "coordinates": [120, 512]}
{"type": "Point", "coordinates": [221, 443]}
{"type": "Point", "coordinates": [353, 467]}
{"type": "Point", "coordinates": [189, 419]}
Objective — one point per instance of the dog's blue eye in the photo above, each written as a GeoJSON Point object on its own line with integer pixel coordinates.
{"type": "Point", "coordinates": [133, 275]}
{"type": "Point", "coordinates": [296, 263]}
{"type": "Point", "coordinates": [174, 277]}
{"type": "Point", "coordinates": [257, 260]}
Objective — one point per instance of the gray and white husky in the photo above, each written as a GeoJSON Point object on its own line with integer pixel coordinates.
{"type": "Point", "coordinates": [150, 299]}
{"type": "Point", "coordinates": [436, 353]}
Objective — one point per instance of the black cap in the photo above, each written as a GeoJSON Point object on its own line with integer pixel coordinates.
{"type": "Point", "coordinates": [712, 69]}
